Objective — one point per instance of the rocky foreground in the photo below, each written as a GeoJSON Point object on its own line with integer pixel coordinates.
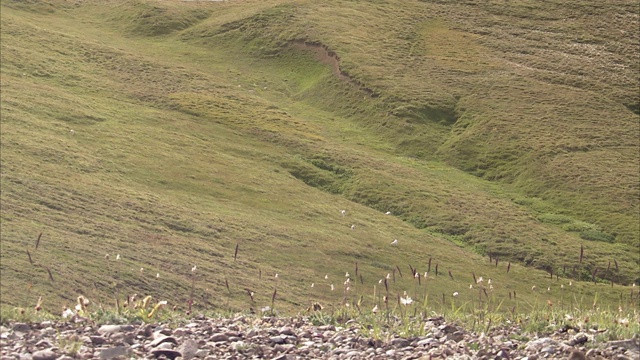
{"type": "Point", "coordinates": [292, 338]}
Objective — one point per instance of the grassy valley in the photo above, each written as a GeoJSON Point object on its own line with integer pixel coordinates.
{"type": "Point", "coordinates": [144, 138]}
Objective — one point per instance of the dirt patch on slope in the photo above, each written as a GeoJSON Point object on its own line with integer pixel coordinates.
{"type": "Point", "coordinates": [328, 57]}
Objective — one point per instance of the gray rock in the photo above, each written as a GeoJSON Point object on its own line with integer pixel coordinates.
{"type": "Point", "coordinates": [285, 357]}
{"type": "Point", "coordinates": [428, 342]}
{"type": "Point", "coordinates": [146, 331]}
{"type": "Point", "coordinates": [21, 327]}
{"type": "Point", "coordinates": [277, 339]}
{"type": "Point", "coordinates": [390, 353]}
{"type": "Point", "coordinates": [97, 340]}
{"type": "Point", "coordinates": [578, 339]}
{"type": "Point", "coordinates": [114, 352]}
{"type": "Point", "coordinates": [169, 354]}
{"type": "Point", "coordinates": [537, 344]}
{"type": "Point", "coordinates": [163, 339]}
{"type": "Point", "coordinates": [219, 337]}
{"type": "Point", "coordinates": [44, 343]}
{"type": "Point", "coordinates": [448, 329]}
{"type": "Point", "coordinates": [111, 329]}
{"type": "Point", "coordinates": [165, 346]}
{"type": "Point", "coordinates": [44, 355]}
{"type": "Point", "coordinates": [400, 342]}
{"type": "Point", "coordinates": [188, 349]}
{"type": "Point", "coordinates": [548, 350]}
{"type": "Point", "coordinates": [456, 336]}
{"type": "Point", "coordinates": [283, 347]}
{"type": "Point", "coordinates": [287, 331]}
{"type": "Point", "coordinates": [202, 353]}
{"type": "Point", "coordinates": [630, 344]}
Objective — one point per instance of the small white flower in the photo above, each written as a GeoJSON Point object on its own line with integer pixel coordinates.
{"type": "Point", "coordinates": [406, 300]}
{"type": "Point", "coordinates": [380, 281]}
{"type": "Point", "coordinates": [353, 227]}
{"type": "Point", "coordinates": [265, 309]}
{"type": "Point", "coordinates": [394, 242]}
{"type": "Point", "coordinates": [347, 274]}
{"type": "Point", "coordinates": [470, 286]}
{"type": "Point", "coordinates": [533, 288]}
{"type": "Point", "coordinates": [455, 294]}
{"type": "Point", "coordinates": [375, 309]}
{"type": "Point", "coordinates": [489, 281]}
{"type": "Point", "coordinates": [313, 284]}
{"type": "Point", "coordinates": [480, 280]}
{"type": "Point", "coordinates": [67, 313]}
{"type": "Point", "coordinates": [388, 213]}
{"type": "Point", "coordinates": [157, 275]}
{"type": "Point", "coordinates": [388, 276]}
{"type": "Point", "coordinates": [570, 283]}
{"type": "Point", "coordinates": [417, 275]}
{"type": "Point", "coordinates": [276, 275]}
{"type": "Point", "coordinates": [193, 269]}
{"type": "Point", "coordinates": [549, 288]}
{"type": "Point", "coordinates": [326, 277]}
{"type": "Point", "coordinates": [347, 289]}
{"type": "Point", "coordinates": [346, 282]}
{"type": "Point", "coordinates": [343, 212]}
{"type": "Point", "coordinates": [332, 287]}
{"type": "Point", "coordinates": [118, 257]}
{"type": "Point", "coordinates": [141, 269]}
{"type": "Point", "coordinates": [490, 287]}
{"type": "Point", "coordinates": [624, 321]}
{"type": "Point", "coordinates": [426, 274]}
{"type": "Point", "coordinates": [561, 286]}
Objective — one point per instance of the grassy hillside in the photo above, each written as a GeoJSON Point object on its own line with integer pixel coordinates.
{"type": "Point", "coordinates": [488, 131]}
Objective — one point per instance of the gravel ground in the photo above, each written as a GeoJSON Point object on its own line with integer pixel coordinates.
{"type": "Point", "coordinates": [293, 338]}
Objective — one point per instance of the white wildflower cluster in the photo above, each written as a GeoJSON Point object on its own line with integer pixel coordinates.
{"type": "Point", "coordinates": [406, 300]}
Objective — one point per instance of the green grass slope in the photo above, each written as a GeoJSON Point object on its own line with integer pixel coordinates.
{"type": "Point", "coordinates": [202, 126]}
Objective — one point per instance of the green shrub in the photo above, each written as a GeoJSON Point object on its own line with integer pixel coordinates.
{"type": "Point", "coordinates": [596, 235]}
{"type": "Point", "coordinates": [555, 219]}
{"type": "Point", "coordinates": [579, 226]}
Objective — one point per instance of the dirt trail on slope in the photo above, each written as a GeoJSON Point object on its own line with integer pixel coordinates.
{"type": "Point", "coordinates": [328, 57]}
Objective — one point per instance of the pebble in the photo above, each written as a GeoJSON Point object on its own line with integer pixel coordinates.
{"type": "Point", "coordinates": [44, 355]}
{"type": "Point", "coordinates": [110, 329]}
{"type": "Point", "coordinates": [219, 338]}
{"type": "Point", "coordinates": [21, 327]}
